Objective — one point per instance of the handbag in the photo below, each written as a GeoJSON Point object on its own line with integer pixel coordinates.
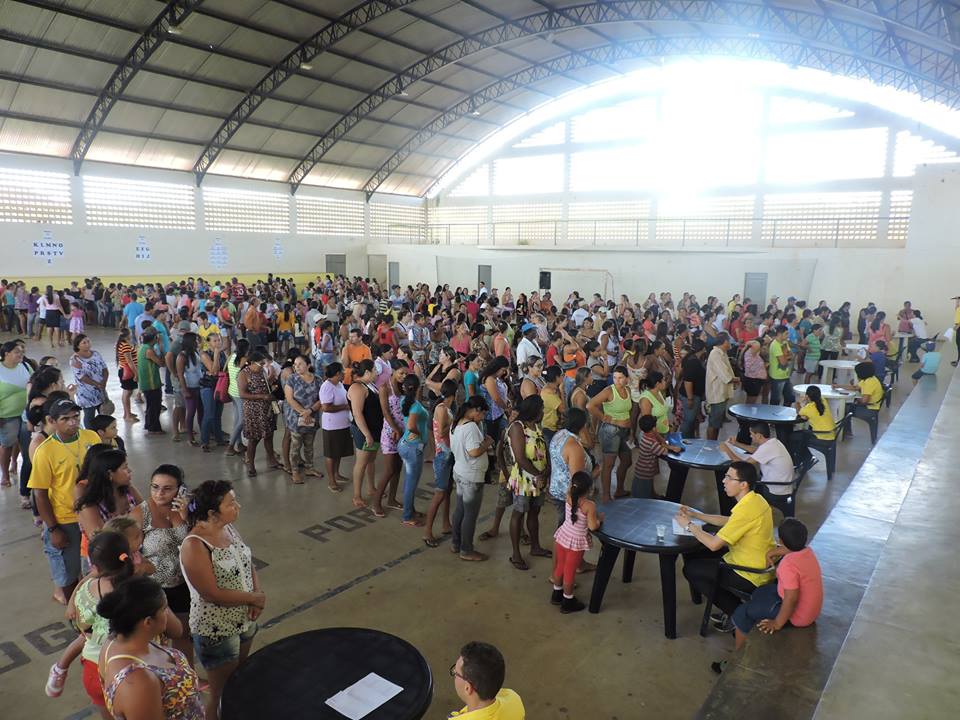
{"type": "Point", "coordinates": [222, 390]}
{"type": "Point", "coordinates": [107, 407]}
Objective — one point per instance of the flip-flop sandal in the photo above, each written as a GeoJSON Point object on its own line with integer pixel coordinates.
{"type": "Point", "coordinates": [431, 542]}
{"type": "Point", "coordinates": [379, 513]}
{"type": "Point", "coordinates": [542, 552]}
{"type": "Point", "coordinates": [586, 568]}
{"type": "Point", "coordinates": [299, 482]}
{"type": "Point", "coordinates": [195, 443]}
{"type": "Point", "coordinates": [359, 503]}
{"type": "Point", "coordinates": [519, 564]}
{"type": "Point", "coordinates": [411, 523]}
{"type": "Point", "coordinates": [394, 506]}
{"type": "Point", "coordinates": [251, 471]}
{"type": "Point", "coordinates": [524, 539]}
{"type": "Point", "coordinates": [177, 438]}
{"type": "Point", "coordinates": [485, 535]}
{"type": "Point", "coordinates": [334, 488]}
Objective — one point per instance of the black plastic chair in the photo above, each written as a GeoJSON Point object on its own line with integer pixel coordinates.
{"type": "Point", "coordinates": [708, 605]}
{"type": "Point", "coordinates": [829, 447]}
{"type": "Point", "coordinates": [786, 504]}
{"type": "Point", "coordinates": [870, 417]}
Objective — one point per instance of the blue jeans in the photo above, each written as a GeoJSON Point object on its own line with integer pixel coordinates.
{"type": "Point", "coordinates": [411, 453]}
{"type": "Point", "coordinates": [212, 414]}
{"type": "Point", "coordinates": [443, 470]}
{"type": "Point", "coordinates": [469, 498]}
{"type": "Point", "coordinates": [236, 437]}
{"type": "Point", "coordinates": [781, 391]}
{"type": "Point", "coordinates": [689, 421]}
{"type": "Point", "coordinates": [764, 604]}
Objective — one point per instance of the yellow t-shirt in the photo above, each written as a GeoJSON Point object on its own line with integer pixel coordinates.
{"type": "Point", "coordinates": [873, 391]}
{"type": "Point", "coordinates": [506, 706]}
{"type": "Point", "coordinates": [822, 425]}
{"type": "Point", "coordinates": [206, 332]}
{"type": "Point", "coordinates": [56, 466]}
{"type": "Point", "coordinates": [749, 534]}
{"type": "Point", "coordinates": [956, 317]}
{"type": "Point", "coordinates": [284, 325]}
{"type": "Point", "coordinates": [551, 410]}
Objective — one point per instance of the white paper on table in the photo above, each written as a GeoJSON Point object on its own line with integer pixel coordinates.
{"type": "Point", "coordinates": [678, 530]}
{"type": "Point", "coordinates": [364, 696]}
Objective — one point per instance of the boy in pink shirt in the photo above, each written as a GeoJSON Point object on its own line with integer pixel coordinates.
{"type": "Point", "coordinates": [796, 597]}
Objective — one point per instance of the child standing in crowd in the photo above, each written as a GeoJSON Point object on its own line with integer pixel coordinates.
{"type": "Point", "coordinates": [651, 447]}
{"type": "Point", "coordinates": [76, 321]}
{"type": "Point", "coordinates": [571, 540]}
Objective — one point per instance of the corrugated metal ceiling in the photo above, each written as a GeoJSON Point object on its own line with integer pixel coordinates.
{"type": "Point", "coordinates": [288, 90]}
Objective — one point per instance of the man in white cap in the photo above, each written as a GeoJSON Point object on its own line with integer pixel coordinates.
{"type": "Point", "coordinates": [527, 348]}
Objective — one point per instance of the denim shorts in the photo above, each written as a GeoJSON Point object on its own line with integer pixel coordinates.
{"type": "Point", "coordinates": [526, 503]}
{"type": "Point", "coordinates": [9, 431]}
{"type": "Point", "coordinates": [717, 415]}
{"type": "Point", "coordinates": [360, 442]}
{"type": "Point", "coordinates": [442, 470]}
{"type": "Point", "coordinates": [214, 652]}
{"type": "Point", "coordinates": [613, 439]}
{"type": "Point", "coordinates": [65, 563]}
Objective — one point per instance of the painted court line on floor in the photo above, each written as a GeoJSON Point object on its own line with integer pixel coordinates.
{"type": "Point", "coordinates": [312, 603]}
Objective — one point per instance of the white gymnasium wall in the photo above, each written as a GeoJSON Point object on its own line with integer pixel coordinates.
{"type": "Point", "coordinates": [925, 271]}
{"type": "Point", "coordinates": [111, 251]}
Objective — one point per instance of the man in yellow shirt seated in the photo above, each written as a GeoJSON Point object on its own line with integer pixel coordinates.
{"type": "Point", "coordinates": [478, 679]}
{"type": "Point", "coordinates": [743, 539]}
{"type": "Point", "coordinates": [867, 406]}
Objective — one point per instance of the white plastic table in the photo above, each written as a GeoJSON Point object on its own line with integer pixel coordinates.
{"type": "Point", "coordinates": [845, 366]}
{"type": "Point", "coordinates": [856, 349]}
{"type": "Point", "coordinates": [836, 399]}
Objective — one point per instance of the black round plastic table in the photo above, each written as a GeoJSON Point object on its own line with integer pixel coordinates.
{"type": "Point", "coordinates": [631, 525]}
{"type": "Point", "coordinates": [293, 677]}
{"type": "Point", "coordinates": [781, 417]}
{"type": "Point", "coordinates": [702, 454]}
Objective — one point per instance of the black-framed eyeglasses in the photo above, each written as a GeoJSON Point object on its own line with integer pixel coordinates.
{"type": "Point", "coordinates": [454, 673]}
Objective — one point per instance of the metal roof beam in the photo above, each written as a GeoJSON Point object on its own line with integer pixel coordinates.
{"type": "Point", "coordinates": [173, 13]}
{"type": "Point", "coordinates": [791, 52]}
{"type": "Point", "coordinates": [126, 132]}
{"type": "Point", "coordinates": [96, 56]}
{"type": "Point", "coordinates": [189, 110]}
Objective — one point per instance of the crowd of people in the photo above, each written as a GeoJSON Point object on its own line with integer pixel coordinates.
{"type": "Point", "coordinates": [543, 400]}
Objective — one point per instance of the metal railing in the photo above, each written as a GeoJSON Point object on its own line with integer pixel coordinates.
{"type": "Point", "coordinates": [692, 232]}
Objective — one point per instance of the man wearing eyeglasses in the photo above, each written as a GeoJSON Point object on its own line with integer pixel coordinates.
{"type": "Point", "coordinates": [743, 540]}
{"type": "Point", "coordinates": [478, 679]}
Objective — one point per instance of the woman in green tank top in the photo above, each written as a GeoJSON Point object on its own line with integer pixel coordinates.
{"type": "Point", "coordinates": [614, 408]}
{"type": "Point", "coordinates": [652, 401]}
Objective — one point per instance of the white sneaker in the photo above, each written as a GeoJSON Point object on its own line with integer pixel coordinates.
{"type": "Point", "coordinates": [55, 681]}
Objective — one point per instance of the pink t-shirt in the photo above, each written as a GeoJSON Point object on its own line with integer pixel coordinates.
{"type": "Point", "coordinates": [331, 394]}
{"type": "Point", "coordinates": [801, 571]}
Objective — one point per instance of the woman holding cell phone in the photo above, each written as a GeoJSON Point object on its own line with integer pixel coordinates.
{"type": "Point", "coordinates": [164, 530]}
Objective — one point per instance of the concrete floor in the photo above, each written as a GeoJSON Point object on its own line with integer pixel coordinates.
{"type": "Point", "coordinates": [325, 564]}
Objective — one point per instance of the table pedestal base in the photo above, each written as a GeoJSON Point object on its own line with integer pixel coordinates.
{"type": "Point", "coordinates": [668, 582]}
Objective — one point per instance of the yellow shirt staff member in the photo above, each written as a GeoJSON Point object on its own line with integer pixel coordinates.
{"type": "Point", "coordinates": [478, 676]}
{"type": "Point", "coordinates": [867, 406]}
{"type": "Point", "coordinates": [746, 535]}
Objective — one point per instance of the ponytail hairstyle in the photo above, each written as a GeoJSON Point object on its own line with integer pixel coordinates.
{"type": "Point", "coordinates": [110, 553]}
{"type": "Point", "coordinates": [493, 367]}
{"type": "Point", "coordinates": [448, 389]}
{"type": "Point", "coordinates": [474, 403]}
{"type": "Point", "coordinates": [411, 386]}
{"type": "Point", "coordinates": [580, 486]}
{"type": "Point", "coordinates": [651, 380]}
{"type": "Point", "coordinates": [131, 602]}
{"type": "Point", "coordinates": [362, 367]}
{"type": "Point", "coordinates": [206, 499]}
{"type": "Point", "coordinates": [813, 394]}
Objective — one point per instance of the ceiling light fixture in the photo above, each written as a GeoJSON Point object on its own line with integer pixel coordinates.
{"type": "Point", "coordinates": [306, 66]}
{"type": "Point", "coordinates": [174, 30]}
